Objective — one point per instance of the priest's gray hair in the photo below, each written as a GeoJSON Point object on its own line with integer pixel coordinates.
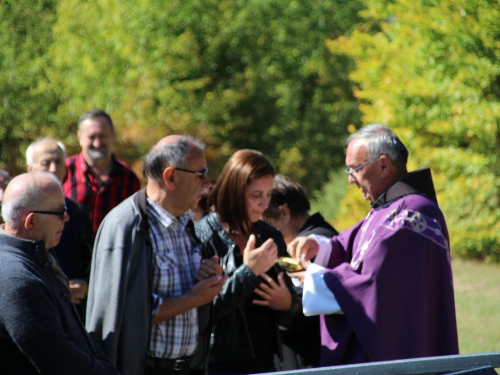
{"type": "Point", "coordinates": [173, 154]}
{"type": "Point", "coordinates": [380, 140]}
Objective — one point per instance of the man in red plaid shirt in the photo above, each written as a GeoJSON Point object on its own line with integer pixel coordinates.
{"type": "Point", "coordinates": [96, 179]}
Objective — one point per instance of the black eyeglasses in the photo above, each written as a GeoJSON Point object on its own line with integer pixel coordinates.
{"type": "Point", "coordinates": [57, 213]}
{"type": "Point", "coordinates": [201, 174]}
{"type": "Point", "coordinates": [357, 169]}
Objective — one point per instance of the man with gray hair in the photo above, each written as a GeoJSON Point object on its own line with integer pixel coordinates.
{"type": "Point", "coordinates": [384, 287]}
{"type": "Point", "coordinates": [74, 251]}
{"type": "Point", "coordinates": [40, 331]}
{"type": "Point", "coordinates": [148, 278]}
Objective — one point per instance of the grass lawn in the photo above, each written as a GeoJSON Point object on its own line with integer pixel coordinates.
{"type": "Point", "coordinates": [477, 298]}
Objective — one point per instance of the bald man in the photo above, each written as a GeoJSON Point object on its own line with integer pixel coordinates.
{"type": "Point", "coordinates": [148, 279]}
{"type": "Point", "coordinates": [40, 332]}
{"type": "Point", "coordinates": [74, 251]}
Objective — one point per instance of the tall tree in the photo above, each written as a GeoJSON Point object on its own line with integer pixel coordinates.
{"type": "Point", "coordinates": [26, 105]}
{"type": "Point", "coordinates": [238, 74]}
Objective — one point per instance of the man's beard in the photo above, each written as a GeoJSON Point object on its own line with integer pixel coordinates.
{"type": "Point", "coordinates": [97, 155]}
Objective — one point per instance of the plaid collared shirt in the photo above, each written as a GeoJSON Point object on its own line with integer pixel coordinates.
{"type": "Point", "coordinates": [82, 186]}
{"type": "Point", "coordinates": [175, 264]}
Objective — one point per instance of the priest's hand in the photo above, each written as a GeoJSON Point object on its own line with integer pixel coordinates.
{"type": "Point", "coordinates": [274, 295]}
{"type": "Point", "coordinates": [299, 275]}
{"type": "Point", "coordinates": [303, 249]}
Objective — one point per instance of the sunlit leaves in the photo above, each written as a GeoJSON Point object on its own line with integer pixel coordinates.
{"type": "Point", "coordinates": [238, 74]}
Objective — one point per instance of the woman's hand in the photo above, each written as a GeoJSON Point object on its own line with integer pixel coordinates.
{"type": "Point", "coordinates": [260, 259]}
{"type": "Point", "coordinates": [275, 295]}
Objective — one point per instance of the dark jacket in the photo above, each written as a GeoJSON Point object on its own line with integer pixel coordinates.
{"type": "Point", "coordinates": [74, 251]}
{"type": "Point", "coordinates": [302, 339]}
{"type": "Point", "coordinates": [40, 332]}
{"type": "Point", "coordinates": [315, 224]}
{"type": "Point", "coordinates": [231, 338]}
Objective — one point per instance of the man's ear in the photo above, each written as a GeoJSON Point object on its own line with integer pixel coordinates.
{"type": "Point", "coordinates": [29, 221]}
{"type": "Point", "coordinates": [285, 213]}
{"type": "Point", "coordinates": [169, 177]}
{"type": "Point", "coordinates": [28, 168]}
{"type": "Point", "coordinates": [386, 167]}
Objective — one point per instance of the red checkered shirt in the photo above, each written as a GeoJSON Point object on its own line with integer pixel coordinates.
{"type": "Point", "coordinates": [82, 186]}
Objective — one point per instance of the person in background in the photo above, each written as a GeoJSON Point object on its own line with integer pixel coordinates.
{"type": "Point", "coordinates": [74, 251]}
{"type": "Point", "coordinates": [150, 290]}
{"type": "Point", "coordinates": [201, 209]}
{"type": "Point", "coordinates": [289, 212]}
{"type": "Point", "coordinates": [4, 180]}
{"type": "Point", "coordinates": [96, 178]}
{"type": "Point", "coordinates": [384, 287]}
{"type": "Point", "coordinates": [40, 331]}
{"type": "Point", "coordinates": [257, 294]}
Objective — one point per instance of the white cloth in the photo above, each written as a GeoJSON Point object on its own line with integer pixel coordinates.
{"type": "Point", "coordinates": [325, 249]}
{"type": "Point", "coordinates": [316, 297]}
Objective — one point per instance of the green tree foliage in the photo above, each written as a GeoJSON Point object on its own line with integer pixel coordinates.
{"type": "Point", "coordinates": [25, 107]}
{"type": "Point", "coordinates": [237, 74]}
{"type": "Point", "coordinates": [430, 70]}
{"type": "Point", "coordinates": [329, 198]}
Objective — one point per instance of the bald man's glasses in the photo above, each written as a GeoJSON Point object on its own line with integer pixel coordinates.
{"type": "Point", "coordinates": [56, 213]}
{"type": "Point", "coordinates": [202, 174]}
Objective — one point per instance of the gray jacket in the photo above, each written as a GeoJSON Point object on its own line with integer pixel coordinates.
{"type": "Point", "coordinates": [120, 299]}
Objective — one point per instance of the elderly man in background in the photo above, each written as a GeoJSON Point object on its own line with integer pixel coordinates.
{"type": "Point", "coordinates": [96, 179]}
{"type": "Point", "coordinates": [148, 278]}
{"type": "Point", "coordinates": [74, 251]}
{"type": "Point", "coordinates": [384, 287]}
{"type": "Point", "coordinates": [40, 331]}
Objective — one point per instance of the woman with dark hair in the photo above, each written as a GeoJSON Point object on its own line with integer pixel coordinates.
{"type": "Point", "coordinates": [257, 295]}
{"type": "Point", "coordinates": [288, 211]}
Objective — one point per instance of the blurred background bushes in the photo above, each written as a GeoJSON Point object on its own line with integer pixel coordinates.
{"type": "Point", "coordinates": [289, 78]}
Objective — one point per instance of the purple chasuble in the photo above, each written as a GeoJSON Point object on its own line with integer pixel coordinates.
{"type": "Point", "coordinates": [391, 275]}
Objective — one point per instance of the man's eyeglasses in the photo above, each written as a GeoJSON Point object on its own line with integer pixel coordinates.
{"type": "Point", "coordinates": [201, 174]}
{"type": "Point", "coordinates": [357, 169]}
{"type": "Point", "coordinates": [57, 213]}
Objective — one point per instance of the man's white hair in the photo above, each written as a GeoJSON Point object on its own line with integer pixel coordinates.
{"type": "Point", "coordinates": [29, 150]}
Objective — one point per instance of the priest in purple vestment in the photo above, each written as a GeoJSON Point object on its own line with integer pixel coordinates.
{"type": "Point", "coordinates": [384, 287]}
